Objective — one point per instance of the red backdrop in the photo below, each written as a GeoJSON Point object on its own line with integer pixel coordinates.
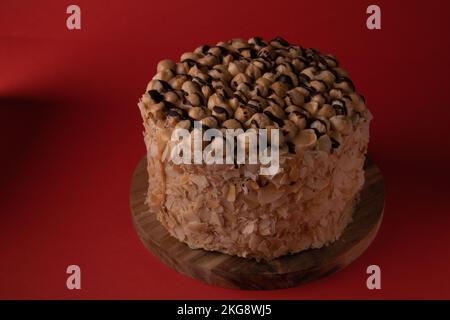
{"type": "Point", "coordinates": [71, 136]}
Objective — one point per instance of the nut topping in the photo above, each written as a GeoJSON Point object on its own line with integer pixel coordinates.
{"type": "Point", "coordinates": [259, 84]}
{"type": "Point", "coordinates": [305, 139]}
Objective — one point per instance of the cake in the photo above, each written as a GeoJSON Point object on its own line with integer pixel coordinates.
{"type": "Point", "coordinates": [232, 208]}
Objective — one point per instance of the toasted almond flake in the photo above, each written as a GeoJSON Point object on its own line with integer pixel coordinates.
{"type": "Point", "coordinates": [263, 247]}
{"type": "Point", "coordinates": [184, 179]}
{"type": "Point", "coordinates": [254, 241]}
{"type": "Point", "coordinates": [179, 233]}
{"type": "Point", "coordinates": [196, 226]}
{"type": "Point", "coordinates": [266, 227]}
{"type": "Point", "coordinates": [269, 194]}
{"type": "Point", "coordinates": [284, 179]}
{"type": "Point", "coordinates": [283, 211]}
{"type": "Point", "coordinates": [153, 150]}
{"type": "Point", "coordinates": [191, 217]}
{"type": "Point", "coordinates": [249, 228]}
{"type": "Point", "coordinates": [231, 194]}
{"type": "Point", "coordinates": [215, 218]}
{"type": "Point", "coordinates": [165, 153]}
{"type": "Point", "coordinates": [213, 204]}
{"type": "Point", "coordinates": [253, 185]}
{"type": "Point", "coordinates": [200, 181]}
{"type": "Point", "coordinates": [299, 195]}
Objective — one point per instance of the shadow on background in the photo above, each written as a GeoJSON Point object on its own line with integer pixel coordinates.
{"type": "Point", "coordinates": [25, 124]}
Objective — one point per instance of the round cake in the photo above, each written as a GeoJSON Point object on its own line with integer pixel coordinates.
{"type": "Point", "coordinates": [257, 84]}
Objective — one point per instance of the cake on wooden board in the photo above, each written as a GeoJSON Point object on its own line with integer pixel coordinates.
{"type": "Point", "coordinates": [257, 84]}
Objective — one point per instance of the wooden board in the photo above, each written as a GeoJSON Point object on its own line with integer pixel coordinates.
{"type": "Point", "coordinates": [239, 273]}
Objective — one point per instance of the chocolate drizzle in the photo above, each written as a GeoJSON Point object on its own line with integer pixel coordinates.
{"type": "Point", "coordinates": [274, 118]}
{"type": "Point", "coordinates": [259, 42]}
{"type": "Point", "coordinates": [334, 143]}
{"type": "Point", "coordinates": [281, 41]}
{"type": "Point", "coordinates": [205, 49]}
{"type": "Point", "coordinates": [165, 86]}
{"type": "Point", "coordinates": [156, 96]}
{"type": "Point", "coordinates": [347, 80]}
{"type": "Point", "coordinates": [339, 107]}
{"type": "Point", "coordinates": [220, 110]}
{"type": "Point", "coordinates": [286, 80]}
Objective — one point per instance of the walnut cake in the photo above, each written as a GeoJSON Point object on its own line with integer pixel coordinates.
{"type": "Point", "coordinates": [231, 208]}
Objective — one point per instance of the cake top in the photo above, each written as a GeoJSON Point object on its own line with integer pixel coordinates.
{"type": "Point", "coordinates": [261, 85]}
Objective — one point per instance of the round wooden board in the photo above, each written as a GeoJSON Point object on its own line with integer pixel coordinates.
{"type": "Point", "coordinates": [239, 273]}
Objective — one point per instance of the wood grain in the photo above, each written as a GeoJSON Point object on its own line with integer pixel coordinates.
{"type": "Point", "coordinates": [239, 273]}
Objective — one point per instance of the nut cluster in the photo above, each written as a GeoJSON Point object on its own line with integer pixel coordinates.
{"type": "Point", "coordinates": [262, 85]}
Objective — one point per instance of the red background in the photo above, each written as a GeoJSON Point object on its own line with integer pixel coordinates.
{"type": "Point", "coordinates": [70, 137]}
